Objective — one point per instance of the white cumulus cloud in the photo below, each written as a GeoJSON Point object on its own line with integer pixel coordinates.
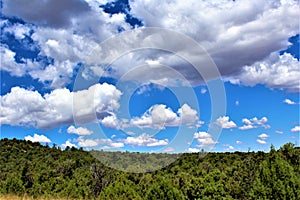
{"type": "Point", "coordinates": [193, 150]}
{"type": "Point", "coordinates": [296, 129]}
{"type": "Point", "coordinates": [276, 71]}
{"type": "Point", "coordinates": [110, 121]}
{"type": "Point", "coordinates": [21, 107]}
{"type": "Point", "coordinates": [254, 30]}
{"type": "Point", "coordinates": [9, 64]}
{"type": "Point", "coordinates": [204, 139]}
{"type": "Point", "coordinates": [290, 102]}
{"type": "Point", "coordinates": [82, 142]}
{"type": "Point", "coordinates": [37, 138]}
{"type": "Point", "coordinates": [261, 141]}
{"type": "Point", "coordinates": [68, 144]}
{"type": "Point", "coordinates": [160, 116]}
{"type": "Point", "coordinates": [263, 136]}
{"type": "Point", "coordinates": [79, 131]}
{"type": "Point", "coordinates": [145, 140]}
{"type": "Point", "coordinates": [245, 26]}
{"type": "Point", "coordinates": [230, 148]}
{"type": "Point", "coordinates": [224, 122]}
{"type": "Point", "coordinates": [254, 123]}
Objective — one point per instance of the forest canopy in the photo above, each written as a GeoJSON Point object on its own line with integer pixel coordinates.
{"type": "Point", "coordinates": [38, 171]}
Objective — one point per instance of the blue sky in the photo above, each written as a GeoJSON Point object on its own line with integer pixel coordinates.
{"type": "Point", "coordinates": [93, 74]}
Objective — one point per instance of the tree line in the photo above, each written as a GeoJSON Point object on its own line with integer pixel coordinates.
{"type": "Point", "coordinates": [50, 172]}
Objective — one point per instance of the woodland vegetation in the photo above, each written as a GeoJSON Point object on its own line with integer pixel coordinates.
{"type": "Point", "coordinates": [43, 172]}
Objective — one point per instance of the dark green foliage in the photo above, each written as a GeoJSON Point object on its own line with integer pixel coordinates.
{"type": "Point", "coordinates": [43, 171]}
{"type": "Point", "coordinates": [102, 176]}
{"type": "Point", "coordinates": [276, 179]}
{"type": "Point", "coordinates": [38, 170]}
{"type": "Point", "coordinates": [120, 190]}
{"type": "Point", "coordinates": [163, 190]}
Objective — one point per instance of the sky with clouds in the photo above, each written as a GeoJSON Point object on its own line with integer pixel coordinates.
{"type": "Point", "coordinates": [149, 76]}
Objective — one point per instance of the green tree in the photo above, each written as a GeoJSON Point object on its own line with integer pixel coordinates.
{"type": "Point", "coordinates": [14, 185]}
{"type": "Point", "coordinates": [292, 155]}
{"type": "Point", "coordinates": [163, 190]}
{"type": "Point", "coordinates": [102, 177]}
{"type": "Point", "coordinates": [276, 179]}
{"type": "Point", "coordinates": [120, 190]}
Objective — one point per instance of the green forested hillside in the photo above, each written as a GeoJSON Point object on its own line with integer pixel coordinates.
{"type": "Point", "coordinates": [49, 172]}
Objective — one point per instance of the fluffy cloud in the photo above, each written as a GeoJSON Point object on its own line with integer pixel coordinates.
{"type": "Point", "coordinates": [241, 27]}
{"type": "Point", "coordinates": [110, 144]}
{"type": "Point", "coordinates": [103, 143]}
{"type": "Point", "coordinates": [296, 129]}
{"type": "Point", "coordinates": [290, 102]}
{"type": "Point", "coordinates": [262, 122]}
{"type": "Point", "coordinates": [18, 30]}
{"type": "Point", "coordinates": [37, 138]}
{"type": "Point", "coordinates": [54, 13]}
{"type": "Point", "coordinates": [67, 46]}
{"type": "Point", "coordinates": [79, 131]}
{"type": "Point", "coordinates": [68, 144]}
{"type": "Point", "coordinates": [145, 140]}
{"type": "Point", "coordinates": [82, 142]}
{"type": "Point", "coordinates": [23, 107]}
{"type": "Point", "coordinates": [229, 148]}
{"type": "Point", "coordinates": [116, 145]}
{"type": "Point", "coordinates": [238, 142]}
{"type": "Point", "coordinates": [16, 69]}
{"type": "Point", "coordinates": [58, 74]}
{"type": "Point", "coordinates": [187, 115]}
{"type": "Point", "coordinates": [110, 121]}
{"type": "Point", "coordinates": [62, 44]}
{"type": "Point", "coordinates": [224, 122]}
{"type": "Point", "coordinates": [238, 26]}
{"type": "Point", "coordinates": [66, 49]}
{"type": "Point", "coordinates": [261, 141]}
{"type": "Point", "coordinates": [204, 139]}
{"type": "Point", "coordinates": [160, 116]}
{"type": "Point", "coordinates": [276, 71]}
{"type": "Point", "coordinates": [193, 150]}
{"type": "Point", "coordinates": [54, 75]}
{"type": "Point", "coordinates": [254, 123]}
{"type": "Point", "coordinates": [263, 136]}
{"type": "Point", "coordinates": [247, 127]}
